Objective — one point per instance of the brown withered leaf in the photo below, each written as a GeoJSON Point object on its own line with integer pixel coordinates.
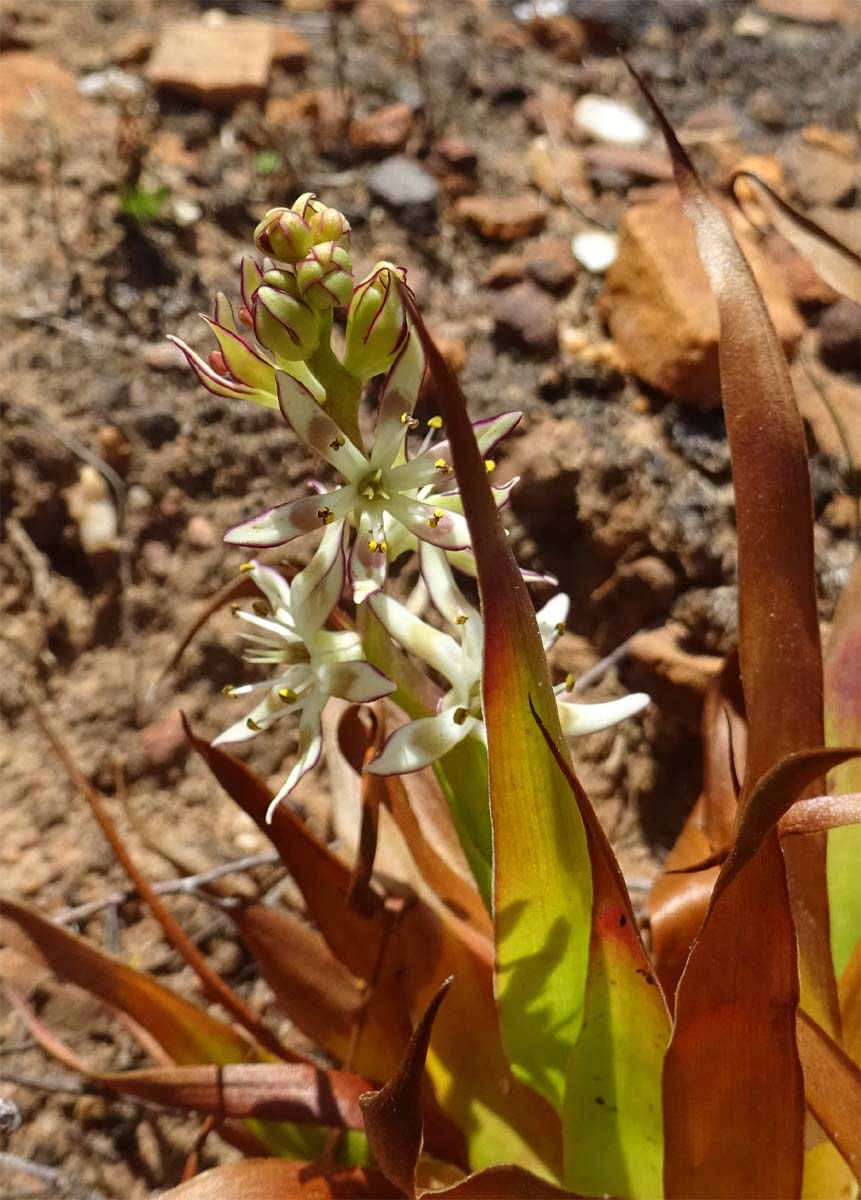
{"type": "Point", "coordinates": [678, 901]}
{"type": "Point", "coordinates": [774, 794]}
{"type": "Point", "coordinates": [188, 1034]}
{"type": "Point", "coordinates": [272, 1179]}
{"type": "Point", "coordinates": [323, 880]}
{"type": "Point", "coordinates": [440, 861]}
{"type": "Point", "coordinates": [321, 996]}
{"type": "Point", "coordinates": [394, 1115]}
{"type": "Point", "coordinates": [818, 813]}
{"type": "Point", "coordinates": [832, 1085]}
{"type": "Point", "coordinates": [732, 1065]}
{"type": "Point", "coordinates": [833, 262]}
{"type": "Point", "coordinates": [213, 985]}
{"type": "Point", "coordinates": [275, 1091]}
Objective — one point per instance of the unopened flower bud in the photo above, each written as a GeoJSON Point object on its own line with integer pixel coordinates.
{"type": "Point", "coordinates": [282, 281]}
{"type": "Point", "coordinates": [285, 324]}
{"type": "Point", "coordinates": [284, 235]}
{"type": "Point", "coordinates": [376, 322]}
{"type": "Point", "coordinates": [326, 224]}
{"type": "Point", "coordinates": [325, 276]}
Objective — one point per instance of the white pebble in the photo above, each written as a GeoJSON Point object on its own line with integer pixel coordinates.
{"type": "Point", "coordinates": [596, 250]}
{"type": "Point", "coordinates": [610, 120]}
{"type": "Point", "coordinates": [92, 509]}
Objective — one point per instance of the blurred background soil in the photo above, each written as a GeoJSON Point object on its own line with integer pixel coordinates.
{"type": "Point", "coordinates": [140, 142]}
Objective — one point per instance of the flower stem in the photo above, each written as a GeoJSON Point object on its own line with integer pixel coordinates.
{"type": "Point", "coordinates": [343, 390]}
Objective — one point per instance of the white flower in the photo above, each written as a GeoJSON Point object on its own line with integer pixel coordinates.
{"type": "Point", "coordinates": [385, 495]}
{"type": "Point", "coordinates": [315, 663]}
{"type": "Point", "coordinates": [419, 743]}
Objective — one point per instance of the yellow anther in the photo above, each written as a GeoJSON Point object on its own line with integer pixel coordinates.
{"type": "Point", "coordinates": [287, 695]}
{"type": "Point", "coordinates": [489, 465]}
{"type": "Point", "coordinates": [442, 465]}
{"type": "Point", "coordinates": [569, 682]}
{"type": "Point", "coordinates": [373, 545]}
{"type": "Point", "coordinates": [245, 568]}
{"type": "Point", "coordinates": [383, 547]}
{"type": "Point", "coordinates": [435, 423]}
{"type": "Point", "coordinates": [461, 619]}
{"type": "Point", "coordinates": [408, 419]}
{"type": "Point", "coordinates": [561, 627]}
{"type": "Point", "coordinates": [460, 715]}
{"type": "Point", "coordinates": [436, 518]}
{"type": "Point", "coordinates": [227, 690]}
{"type": "Point", "coordinates": [234, 609]}
{"type": "Point", "coordinates": [337, 443]}
{"type": "Point", "coordinates": [252, 725]}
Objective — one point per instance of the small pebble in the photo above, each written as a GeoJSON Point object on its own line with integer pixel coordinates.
{"type": "Point", "coordinates": [595, 250]}
{"type": "Point", "coordinates": [610, 120]}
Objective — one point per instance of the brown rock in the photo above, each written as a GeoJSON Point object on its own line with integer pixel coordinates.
{"type": "Point", "coordinates": [819, 135]}
{"type": "Point", "coordinates": [634, 161]}
{"type": "Point", "coordinates": [216, 65]}
{"type": "Point", "coordinates": [557, 171]}
{"type": "Point", "coordinates": [30, 80]}
{"type": "Point", "coordinates": [657, 303]}
{"type": "Point", "coordinates": [551, 264]}
{"type": "Point", "coordinates": [504, 270]}
{"type": "Point", "coordinates": [803, 283]}
{"type": "Point", "coordinates": [456, 152]}
{"type": "Point", "coordinates": [817, 11]}
{"type": "Point", "coordinates": [844, 399]}
{"type": "Point", "coordinates": [135, 47]}
{"type": "Point", "coordinates": [525, 316]}
{"type": "Point", "coordinates": [676, 679]}
{"type": "Point", "coordinates": [201, 533]}
{"type": "Point", "coordinates": [163, 743]}
{"type": "Point", "coordinates": [382, 132]}
{"type": "Point", "coordinates": [289, 48]}
{"type": "Point", "coordinates": [840, 335]}
{"type": "Point", "coordinates": [563, 36]}
{"type": "Point", "coordinates": [819, 175]}
{"type": "Point", "coordinates": [502, 219]}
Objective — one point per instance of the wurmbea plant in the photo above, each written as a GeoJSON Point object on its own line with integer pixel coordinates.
{"type": "Point", "coordinates": [489, 1020]}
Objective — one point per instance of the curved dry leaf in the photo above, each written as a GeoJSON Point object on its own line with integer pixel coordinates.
{"type": "Point", "coordinates": [394, 1115]}
{"type": "Point", "coordinates": [819, 813]}
{"type": "Point", "coordinates": [272, 1179]}
{"type": "Point", "coordinates": [187, 1033]}
{"type": "Point", "coordinates": [323, 880]}
{"type": "Point", "coordinates": [833, 262]}
{"type": "Point", "coordinates": [832, 1086]}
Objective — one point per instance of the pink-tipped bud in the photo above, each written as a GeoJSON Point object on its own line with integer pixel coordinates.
{"type": "Point", "coordinates": [284, 235]}
{"type": "Point", "coordinates": [376, 322]}
{"type": "Point", "coordinates": [325, 277]}
{"type": "Point", "coordinates": [285, 324]}
{"type": "Point", "coordinates": [216, 361]}
{"type": "Point", "coordinates": [245, 317]}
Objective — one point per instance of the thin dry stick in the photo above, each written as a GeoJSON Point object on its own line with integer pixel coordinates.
{"type": "Point", "coordinates": [215, 987]}
{"type": "Point", "coordinates": [185, 885]}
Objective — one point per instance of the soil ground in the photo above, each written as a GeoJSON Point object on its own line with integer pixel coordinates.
{"type": "Point", "coordinates": [90, 294]}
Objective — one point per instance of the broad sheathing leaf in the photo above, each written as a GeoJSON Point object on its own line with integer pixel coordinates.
{"type": "Point", "coordinates": [542, 893]}
{"type": "Point", "coordinates": [612, 1120]}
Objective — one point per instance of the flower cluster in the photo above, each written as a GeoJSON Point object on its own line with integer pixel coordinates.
{"type": "Point", "coordinates": [395, 494]}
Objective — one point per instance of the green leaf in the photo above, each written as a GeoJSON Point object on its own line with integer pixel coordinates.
{"type": "Point", "coordinates": [843, 726]}
{"type": "Point", "coordinates": [612, 1120]}
{"type": "Point", "coordinates": [542, 889]}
